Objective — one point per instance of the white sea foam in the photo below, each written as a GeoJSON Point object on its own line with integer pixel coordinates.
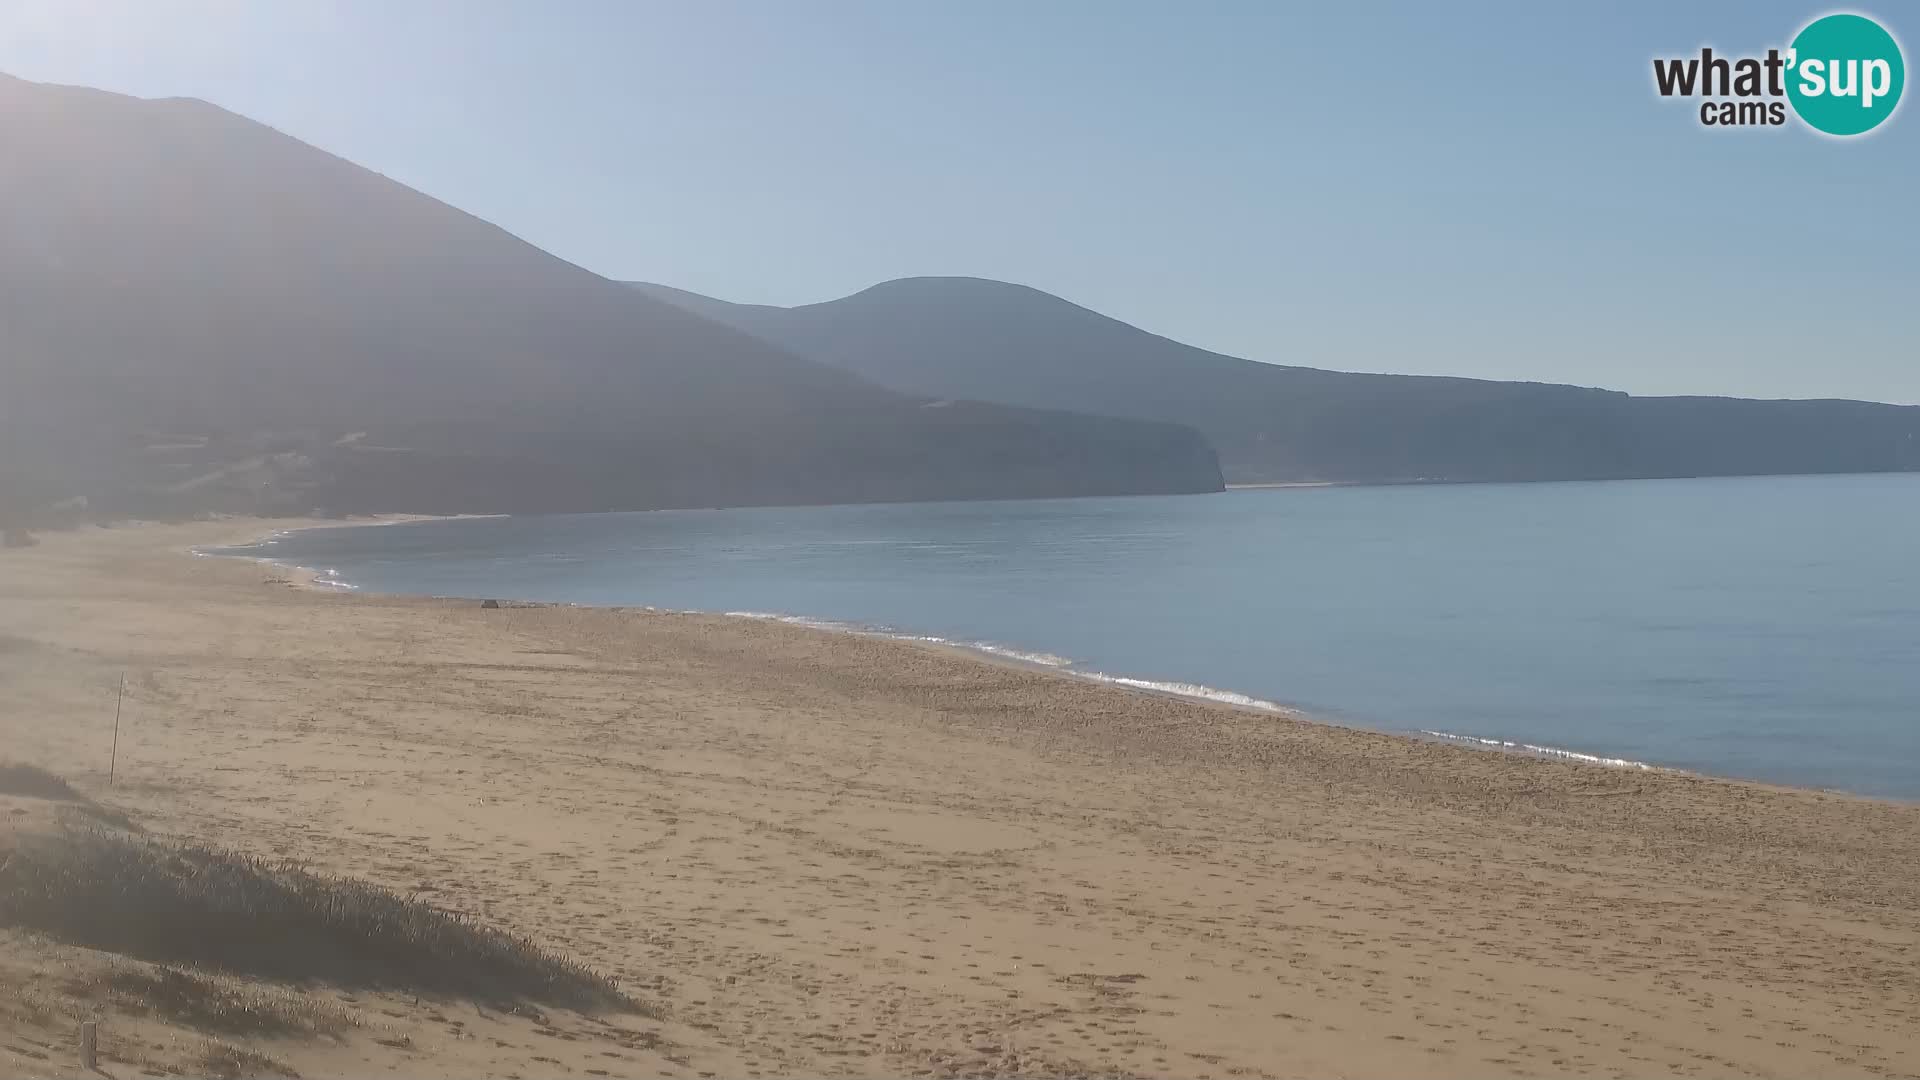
{"type": "Point", "coordinates": [989, 647]}
{"type": "Point", "coordinates": [1543, 751]}
{"type": "Point", "coordinates": [793, 620]}
{"type": "Point", "coordinates": [1187, 690]}
{"type": "Point", "coordinates": [1042, 659]}
{"type": "Point", "coordinates": [326, 577]}
{"type": "Point", "coordinates": [321, 577]}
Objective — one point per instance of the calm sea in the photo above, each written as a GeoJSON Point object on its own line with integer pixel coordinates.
{"type": "Point", "coordinates": [1764, 627]}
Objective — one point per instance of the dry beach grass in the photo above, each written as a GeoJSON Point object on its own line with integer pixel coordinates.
{"type": "Point", "coordinates": [192, 905]}
{"type": "Point", "coordinates": [826, 855]}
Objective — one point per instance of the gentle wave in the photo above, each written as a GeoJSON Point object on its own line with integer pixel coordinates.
{"type": "Point", "coordinates": [320, 577]}
{"type": "Point", "coordinates": [1043, 659]}
{"type": "Point", "coordinates": [1186, 690]}
{"type": "Point", "coordinates": [326, 578]}
{"type": "Point", "coordinates": [1543, 751]}
{"type": "Point", "coordinates": [1048, 660]}
{"type": "Point", "coordinates": [774, 616]}
{"type": "Point", "coordinates": [989, 647]}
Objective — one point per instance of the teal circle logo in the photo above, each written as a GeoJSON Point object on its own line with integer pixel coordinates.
{"type": "Point", "coordinates": [1845, 74]}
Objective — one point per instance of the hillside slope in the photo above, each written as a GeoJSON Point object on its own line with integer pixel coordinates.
{"type": "Point", "coordinates": [195, 305]}
{"type": "Point", "coordinates": [992, 341]}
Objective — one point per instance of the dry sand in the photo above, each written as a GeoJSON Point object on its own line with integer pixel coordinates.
{"type": "Point", "coordinates": [829, 855]}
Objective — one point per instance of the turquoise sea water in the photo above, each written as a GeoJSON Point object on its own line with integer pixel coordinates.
{"type": "Point", "coordinates": [1760, 627]}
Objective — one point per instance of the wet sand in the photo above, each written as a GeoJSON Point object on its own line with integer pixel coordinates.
{"type": "Point", "coordinates": [825, 854]}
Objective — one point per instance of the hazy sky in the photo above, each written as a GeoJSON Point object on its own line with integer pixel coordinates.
{"type": "Point", "coordinates": [1492, 191]}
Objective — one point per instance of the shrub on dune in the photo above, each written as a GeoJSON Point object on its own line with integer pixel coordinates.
{"type": "Point", "coordinates": [183, 904]}
{"type": "Point", "coordinates": [34, 782]}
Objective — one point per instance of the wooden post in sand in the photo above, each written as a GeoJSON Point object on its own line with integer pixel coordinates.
{"type": "Point", "coordinates": [113, 761]}
{"type": "Point", "coordinates": [89, 1045]}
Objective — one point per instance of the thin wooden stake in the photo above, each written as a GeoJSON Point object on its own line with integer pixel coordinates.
{"type": "Point", "coordinates": [113, 763]}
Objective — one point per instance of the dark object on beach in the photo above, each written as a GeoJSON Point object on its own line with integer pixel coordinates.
{"type": "Point", "coordinates": [489, 603]}
{"type": "Point", "coordinates": [16, 538]}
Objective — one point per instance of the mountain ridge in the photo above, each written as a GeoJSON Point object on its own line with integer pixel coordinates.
{"type": "Point", "coordinates": [1000, 341]}
{"type": "Point", "coordinates": [168, 267]}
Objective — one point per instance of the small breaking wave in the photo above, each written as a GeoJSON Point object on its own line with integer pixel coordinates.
{"type": "Point", "coordinates": [1186, 690]}
{"type": "Point", "coordinates": [326, 578]}
{"type": "Point", "coordinates": [989, 647]}
{"type": "Point", "coordinates": [320, 577]}
{"type": "Point", "coordinates": [1542, 751]}
{"type": "Point", "coordinates": [1043, 659]}
{"type": "Point", "coordinates": [791, 620]}
{"type": "Point", "coordinates": [1048, 660]}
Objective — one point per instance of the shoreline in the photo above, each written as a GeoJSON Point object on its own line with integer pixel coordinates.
{"type": "Point", "coordinates": [829, 854]}
{"type": "Point", "coordinates": [991, 652]}
{"type": "Point", "coordinates": [308, 576]}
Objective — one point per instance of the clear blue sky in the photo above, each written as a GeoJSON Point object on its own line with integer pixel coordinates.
{"type": "Point", "coordinates": [1490, 190]}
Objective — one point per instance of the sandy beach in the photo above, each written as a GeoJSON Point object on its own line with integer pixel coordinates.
{"type": "Point", "coordinates": [822, 854]}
